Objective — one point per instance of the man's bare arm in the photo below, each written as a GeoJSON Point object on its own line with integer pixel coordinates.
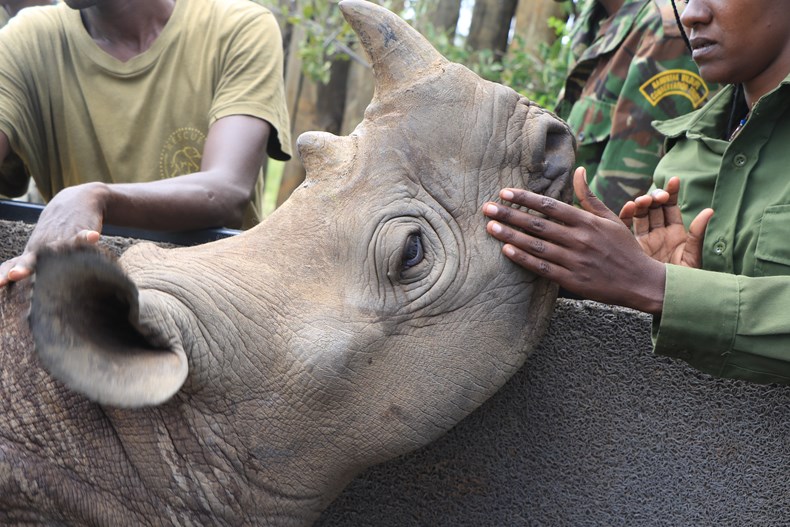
{"type": "Point", "coordinates": [216, 196]}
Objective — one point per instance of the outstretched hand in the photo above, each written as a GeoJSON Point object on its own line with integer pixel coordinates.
{"type": "Point", "coordinates": [658, 227]}
{"type": "Point", "coordinates": [73, 217]}
{"type": "Point", "coordinates": [588, 251]}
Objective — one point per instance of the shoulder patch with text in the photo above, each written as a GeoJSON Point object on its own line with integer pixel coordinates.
{"type": "Point", "coordinates": [675, 82]}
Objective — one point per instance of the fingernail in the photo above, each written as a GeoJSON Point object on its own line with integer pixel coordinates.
{"type": "Point", "coordinates": [506, 194]}
{"type": "Point", "coordinates": [495, 227]}
{"type": "Point", "coordinates": [508, 250]}
{"type": "Point", "coordinates": [491, 209]}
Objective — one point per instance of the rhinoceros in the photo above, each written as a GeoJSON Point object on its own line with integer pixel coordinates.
{"type": "Point", "coordinates": [248, 380]}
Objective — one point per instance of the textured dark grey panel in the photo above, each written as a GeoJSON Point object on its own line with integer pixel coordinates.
{"type": "Point", "coordinates": [594, 431]}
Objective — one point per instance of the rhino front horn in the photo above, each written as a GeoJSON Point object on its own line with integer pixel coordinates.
{"type": "Point", "coordinates": [397, 52]}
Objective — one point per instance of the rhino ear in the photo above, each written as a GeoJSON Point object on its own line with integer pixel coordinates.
{"type": "Point", "coordinates": [85, 321]}
{"type": "Point", "coordinates": [549, 153]}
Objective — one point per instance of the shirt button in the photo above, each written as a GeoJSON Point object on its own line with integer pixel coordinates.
{"type": "Point", "coordinates": [719, 247]}
{"type": "Point", "coordinates": [739, 160]}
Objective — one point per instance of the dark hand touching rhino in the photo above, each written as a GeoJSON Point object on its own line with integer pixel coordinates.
{"type": "Point", "coordinates": [248, 380]}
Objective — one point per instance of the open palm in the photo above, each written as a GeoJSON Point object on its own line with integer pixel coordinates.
{"type": "Point", "coordinates": [658, 227]}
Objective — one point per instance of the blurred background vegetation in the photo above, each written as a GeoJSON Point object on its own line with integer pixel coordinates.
{"type": "Point", "coordinates": [519, 43]}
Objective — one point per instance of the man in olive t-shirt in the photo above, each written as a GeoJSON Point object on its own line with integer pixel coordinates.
{"type": "Point", "coordinates": [153, 115]}
{"type": "Point", "coordinates": [8, 10]}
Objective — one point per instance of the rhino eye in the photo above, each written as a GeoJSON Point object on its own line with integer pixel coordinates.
{"type": "Point", "coordinates": [412, 251]}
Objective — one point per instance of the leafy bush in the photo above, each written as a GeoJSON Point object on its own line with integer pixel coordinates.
{"type": "Point", "coordinates": [328, 37]}
{"type": "Point", "coordinates": [539, 76]}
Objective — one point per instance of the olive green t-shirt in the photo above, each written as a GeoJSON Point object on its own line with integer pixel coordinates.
{"type": "Point", "coordinates": [75, 114]}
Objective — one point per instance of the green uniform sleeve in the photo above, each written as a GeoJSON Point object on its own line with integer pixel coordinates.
{"type": "Point", "coordinates": [727, 325]}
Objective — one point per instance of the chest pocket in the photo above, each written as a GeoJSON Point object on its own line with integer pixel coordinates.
{"type": "Point", "coordinates": [592, 120]}
{"type": "Point", "coordinates": [773, 242]}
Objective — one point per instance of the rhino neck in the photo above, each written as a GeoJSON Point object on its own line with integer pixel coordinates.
{"type": "Point", "coordinates": [239, 439]}
{"type": "Point", "coordinates": [183, 460]}
{"type": "Point", "coordinates": [197, 470]}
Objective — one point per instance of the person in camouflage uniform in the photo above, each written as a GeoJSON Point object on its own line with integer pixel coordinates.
{"type": "Point", "coordinates": [632, 67]}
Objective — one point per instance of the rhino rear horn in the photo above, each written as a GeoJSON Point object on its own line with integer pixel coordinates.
{"type": "Point", "coordinates": [324, 153]}
{"type": "Point", "coordinates": [84, 317]}
{"type": "Point", "coordinates": [397, 52]}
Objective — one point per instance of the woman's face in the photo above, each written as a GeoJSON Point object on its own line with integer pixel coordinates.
{"type": "Point", "coordinates": [740, 41]}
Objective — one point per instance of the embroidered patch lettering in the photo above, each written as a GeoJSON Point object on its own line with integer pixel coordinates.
{"type": "Point", "coordinates": [675, 82]}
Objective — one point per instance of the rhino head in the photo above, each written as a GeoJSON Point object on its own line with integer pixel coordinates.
{"type": "Point", "coordinates": [363, 319]}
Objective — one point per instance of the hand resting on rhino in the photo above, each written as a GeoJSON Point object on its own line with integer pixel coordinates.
{"type": "Point", "coordinates": [247, 381]}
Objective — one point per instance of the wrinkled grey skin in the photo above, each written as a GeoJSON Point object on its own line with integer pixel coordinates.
{"type": "Point", "coordinates": [248, 380]}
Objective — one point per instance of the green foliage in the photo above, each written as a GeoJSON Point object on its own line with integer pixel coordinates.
{"type": "Point", "coordinates": [538, 76]}
{"type": "Point", "coordinates": [328, 37]}
{"type": "Point", "coordinates": [274, 176]}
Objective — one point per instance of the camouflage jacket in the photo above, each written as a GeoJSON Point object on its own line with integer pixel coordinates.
{"type": "Point", "coordinates": [630, 69]}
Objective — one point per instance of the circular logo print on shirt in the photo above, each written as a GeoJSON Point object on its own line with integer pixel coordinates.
{"type": "Point", "coordinates": [182, 153]}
